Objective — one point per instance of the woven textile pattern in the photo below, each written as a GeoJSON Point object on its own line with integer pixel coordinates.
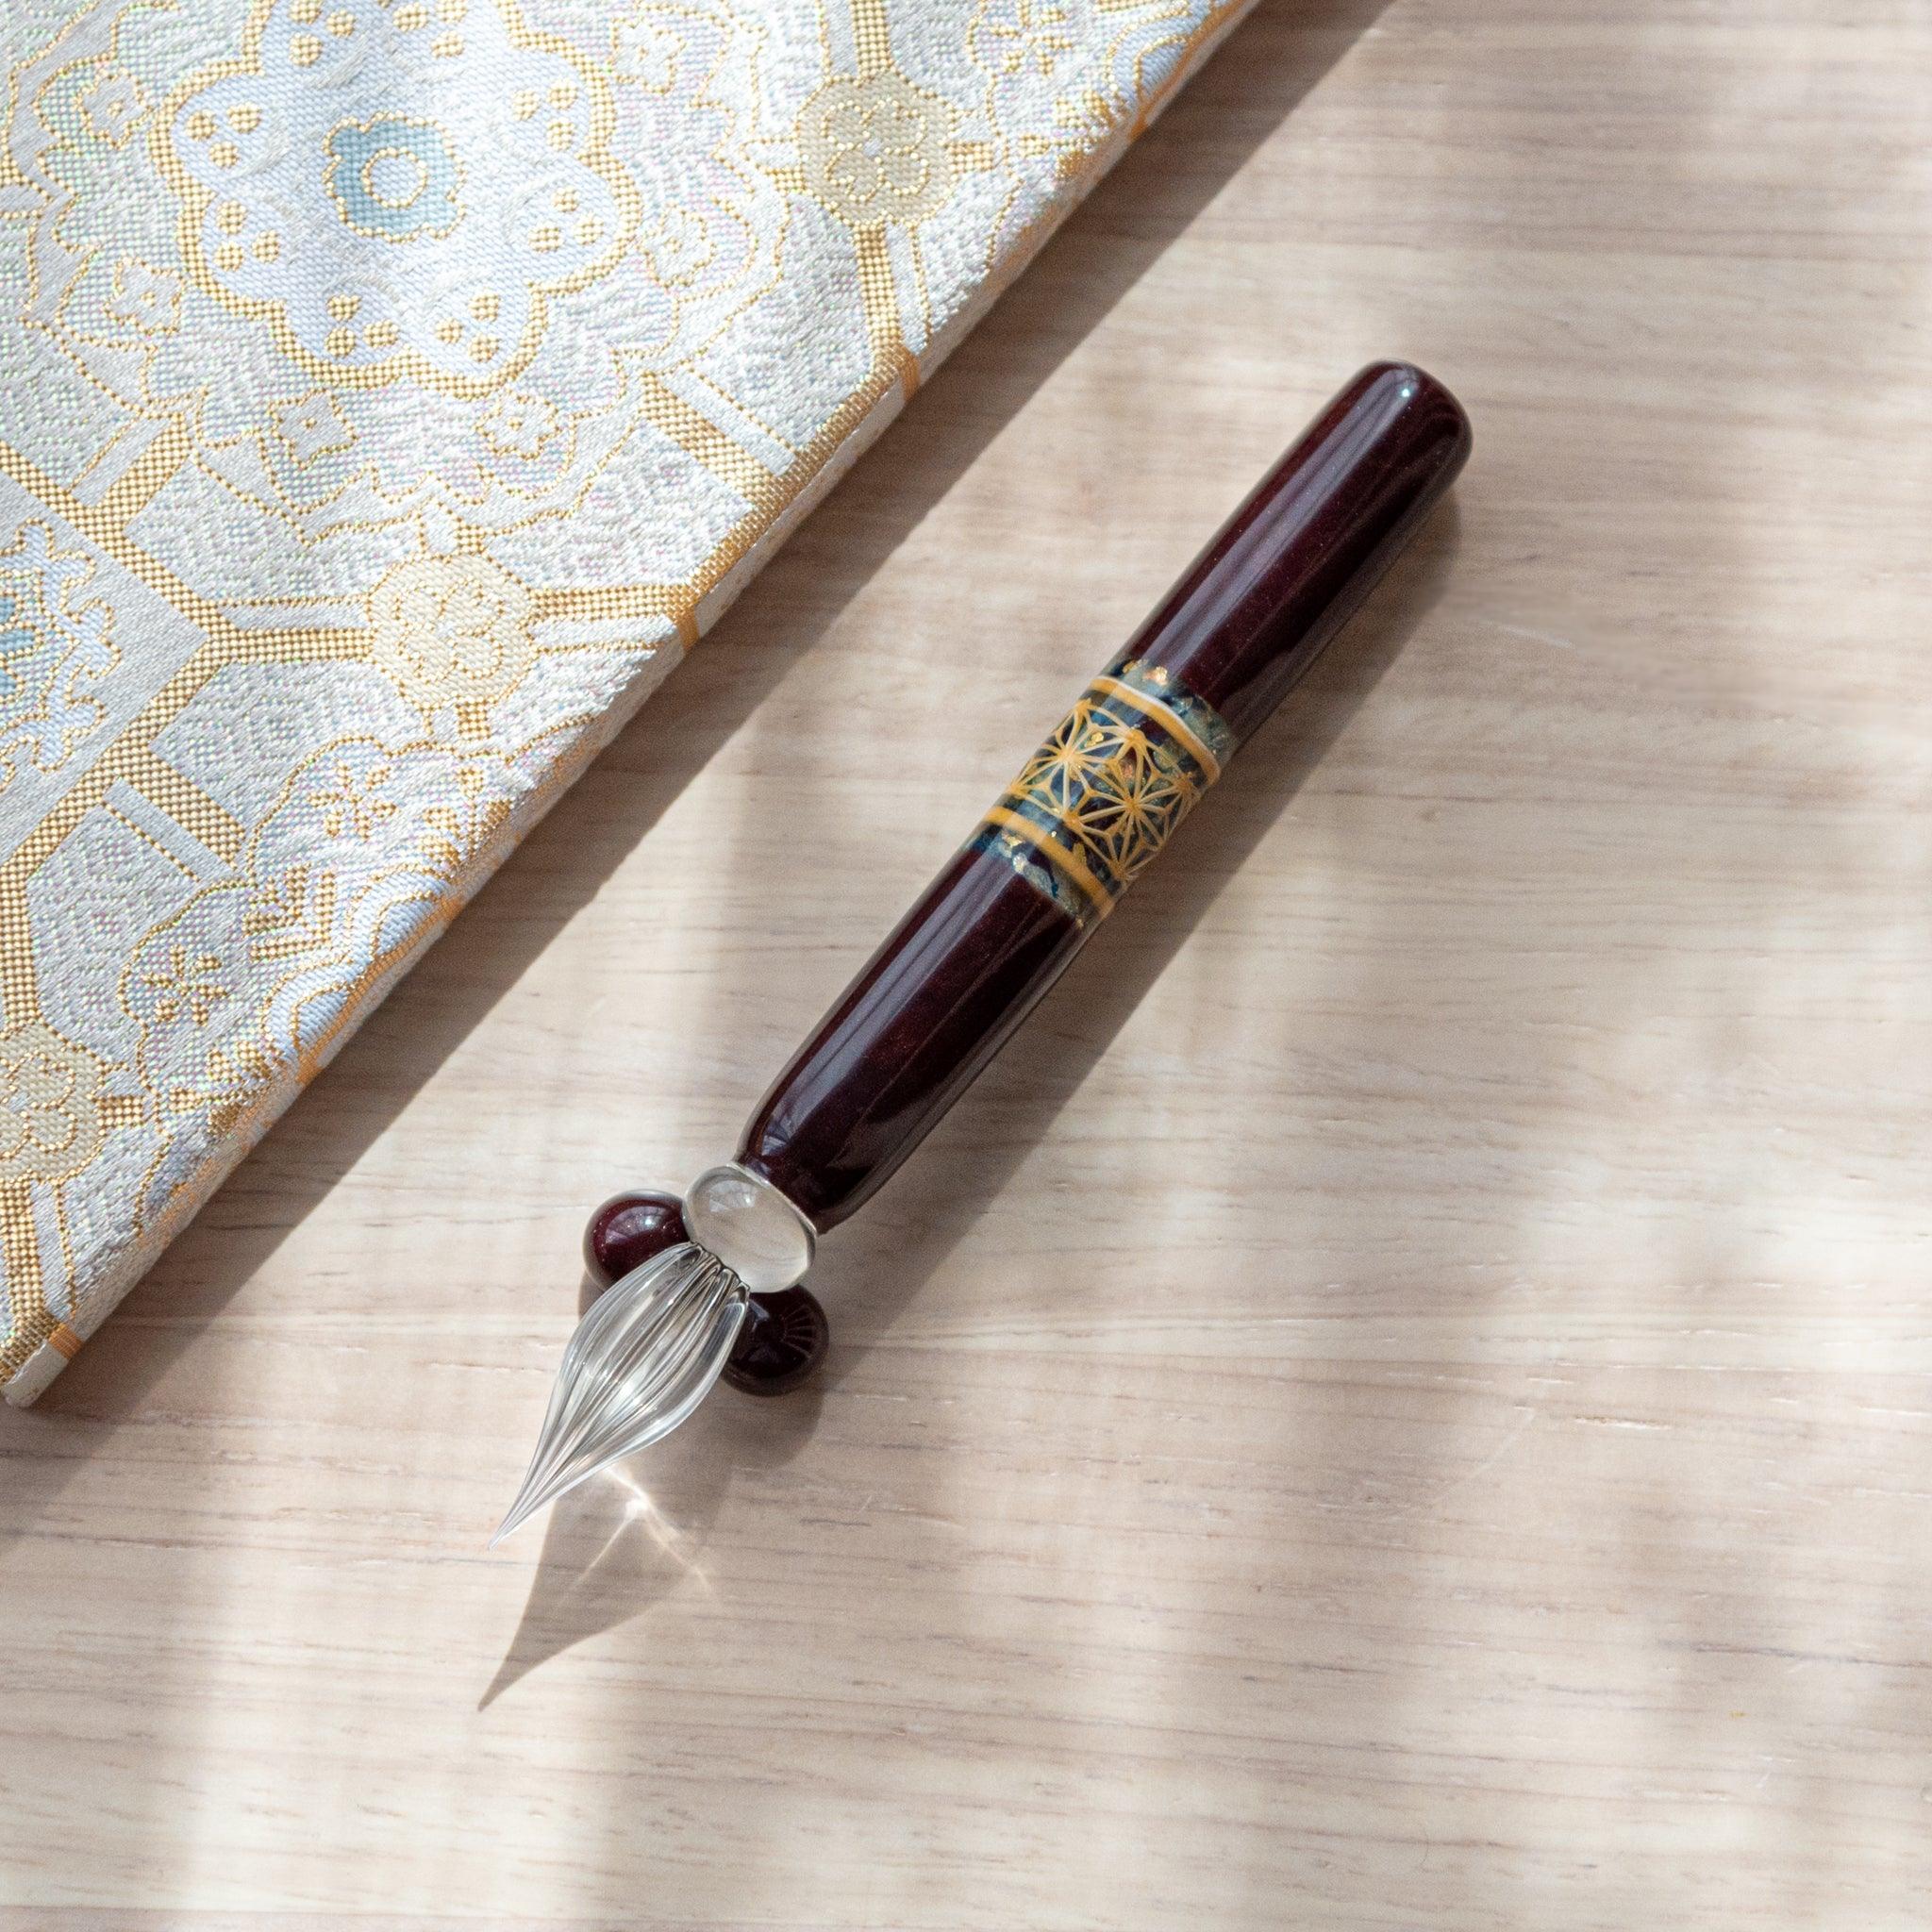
{"type": "Point", "coordinates": [389, 392]}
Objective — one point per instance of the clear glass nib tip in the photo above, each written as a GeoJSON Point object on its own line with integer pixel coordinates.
{"type": "Point", "coordinates": [640, 1361]}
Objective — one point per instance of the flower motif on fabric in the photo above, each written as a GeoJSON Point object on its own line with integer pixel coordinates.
{"type": "Point", "coordinates": [394, 177]}
{"type": "Point", "coordinates": [113, 107]}
{"type": "Point", "coordinates": [648, 52]}
{"type": "Point", "coordinates": [179, 986]}
{"type": "Point", "coordinates": [187, 982]}
{"type": "Point", "coordinates": [1012, 37]}
{"type": "Point", "coordinates": [452, 629]}
{"type": "Point", "coordinates": [878, 150]}
{"type": "Point", "coordinates": [520, 424]}
{"type": "Point", "coordinates": [144, 299]}
{"type": "Point", "coordinates": [50, 1109]}
{"type": "Point", "coordinates": [380, 245]}
{"type": "Point", "coordinates": [678, 247]}
{"type": "Point", "coordinates": [55, 651]}
{"type": "Point", "coordinates": [311, 426]}
{"type": "Point", "coordinates": [352, 805]}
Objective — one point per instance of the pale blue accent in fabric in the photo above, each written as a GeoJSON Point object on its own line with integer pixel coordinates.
{"type": "Point", "coordinates": [396, 178]}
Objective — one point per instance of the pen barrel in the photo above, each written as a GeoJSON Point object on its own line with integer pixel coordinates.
{"type": "Point", "coordinates": [1100, 797]}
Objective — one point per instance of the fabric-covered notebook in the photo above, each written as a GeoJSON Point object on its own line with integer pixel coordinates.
{"type": "Point", "coordinates": [393, 389]}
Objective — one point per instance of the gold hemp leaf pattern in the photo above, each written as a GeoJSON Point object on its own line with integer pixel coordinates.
{"type": "Point", "coordinates": [1115, 791]}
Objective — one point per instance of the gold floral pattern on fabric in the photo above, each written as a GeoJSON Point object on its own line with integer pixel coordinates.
{"type": "Point", "coordinates": [397, 389]}
{"type": "Point", "coordinates": [877, 149]}
{"type": "Point", "coordinates": [451, 629]}
{"type": "Point", "coordinates": [50, 1117]}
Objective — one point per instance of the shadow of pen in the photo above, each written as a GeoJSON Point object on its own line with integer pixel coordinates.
{"type": "Point", "coordinates": [632, 1534]}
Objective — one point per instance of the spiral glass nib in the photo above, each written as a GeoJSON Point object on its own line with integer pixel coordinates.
{"type": "Point", "coordinates": [641, 1360]}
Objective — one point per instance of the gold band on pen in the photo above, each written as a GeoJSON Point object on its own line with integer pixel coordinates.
{"type": "Point", "coordinates": [1171, 721]}
{"type": "Point", "coordinates": [1100, 797]}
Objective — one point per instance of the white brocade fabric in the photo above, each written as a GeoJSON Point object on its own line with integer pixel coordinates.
{"type": "Point", "coordinates": [389, 392]}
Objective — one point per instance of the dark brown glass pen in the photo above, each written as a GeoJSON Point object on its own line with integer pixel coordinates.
{"type": "Point", "coordinates": [708, 1284]}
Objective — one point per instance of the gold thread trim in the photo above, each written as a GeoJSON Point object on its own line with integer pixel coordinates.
{"type": "Point", "coordinates": [18, 985]}
{"type": "Point", "coordinates": [875, 291]}
{"type": "Point", "coordinates": [19, 1240]}
{"type": "Point", "coordinates": [147, 475]}
{"type": "Point", "coordinates": [1065, 857]}
{"type": "Point", "coordinates": [871, 37]}
{"type": "Point", "coordinates": [702, 441]}
{"type": "Point", "coordinates": [184, 801]}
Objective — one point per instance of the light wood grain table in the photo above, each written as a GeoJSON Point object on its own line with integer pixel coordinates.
{"type": "Point", "coordinates": [1403, 1403]}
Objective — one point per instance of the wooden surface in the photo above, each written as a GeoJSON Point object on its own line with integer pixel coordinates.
{"type": "Point", "coordinates": [1403, 1403]}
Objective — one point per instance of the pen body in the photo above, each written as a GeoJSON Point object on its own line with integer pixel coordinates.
{"type": "Point", "coordinates": [1092, 808]}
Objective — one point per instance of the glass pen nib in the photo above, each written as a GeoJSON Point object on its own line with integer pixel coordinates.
{"type": "Point", "coordinates": [640, 1361]}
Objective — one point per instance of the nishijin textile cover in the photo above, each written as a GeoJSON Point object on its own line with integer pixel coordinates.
{"type": "Point", "coordinates": [389, 392]}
